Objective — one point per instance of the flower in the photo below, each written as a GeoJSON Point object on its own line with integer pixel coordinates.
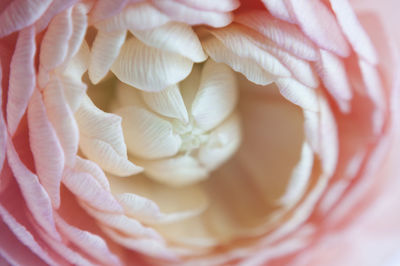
{"type": "Point", "coordinates": [197, 133]}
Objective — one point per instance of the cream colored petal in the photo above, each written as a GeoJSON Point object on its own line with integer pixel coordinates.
{"type": "Point", "coordinates": [148, 68]}
{"type": "Point", "coordinates": [176, 171]}
{"type": "Point", "coordinates": [154, 203]}
{"type": "Point", "coordinates": [79, 26]}
{"type": "Point", "coordinates": [141, 16]}
{"type": "Point", "coordinates": [216, 97]}
{"type": "Point", "coordinates": [105, 49]}
{"type": "Point", "coordinates": [223, 142]}
{"type": "Point", "coordinates": [168, 103]}
{"type": "Point", "coordinates": [174, 37]}
{"type": "Point", "coordinates": [78, 64]}
{"type": "Point", "coordinates": [102, 139]}
{"type": "Point", "coordinates": [147, 135]}
{"type": "Point", "coordinates": [301, 175]}
{"type": "Point", "coordinates": [248, 67]}
{"type": "Point", "coordinates": [297, 93]}
{"type": "Point", "coordinates": [190, 85]}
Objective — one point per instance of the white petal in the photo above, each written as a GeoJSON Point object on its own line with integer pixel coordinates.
{"type": "Point", "coordinates": [176, 171]}
{"type": "Point", "coordinates": [173, 37]}
{"type": "Point", "coordinates": [216, 97]}
{"type": "Point", "coordinates": [190, 86]}
{"type": "Point", "coordinates": [102, 140]}
{"type": "Point", "coordinates": [78, 64]}
{"type": "Point", "coordinates": [79, 26]}
{"type": "Point", "coordinates": [147, 135]}
{"type": "Point", "coordinates": [224, 141]}
{"type": "Point", "coordinates": [297, 93]}
{"type": "Point", "coordinates": [284, 34]}
{"type": "Point", "coordinates": [141, 16]}
{"type": "Point", "coordinates": [149, 68]}
{"type": "Point", "coordinates": [248, 67]}
{"type": "Point", "coordinates": [105, 49]}
{"type": "Point", "coordinates": [167, 102]}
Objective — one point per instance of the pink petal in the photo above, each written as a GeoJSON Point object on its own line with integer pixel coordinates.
{"type": "Point", "coordinates": [3, 129]}
{"type": "Point", "coordinates": [56, 7]}
{"type": "Point", "coordinates": [87, 189]}
{"type": "Point", "coordinates": [62, 119]}
{"type": "Point", "coordinates": [105, 8]}
{"type": "Point", "coordinates": [284, 34]}
{"type": "Point", "coordinates": [54, 47]}
{"type": "Point", "coordinates": [46, 148]}
{"type": "Point", "coordinates": [353, 30]}
{"type": "Point", "coordinates": [278, 9]}
{"type": "Point", "coordinates": [334, 76]}
{"type": "Point", "coordinates": [92, 244]}
{"type": "Point", "coordinates": [183, 13]}
{"type": "Point", "coordinates": [211, 5]}
{"type": "Point", "coordinates": [320, 25]}
{"type": "Point", "coordinates": [21, 13]}
{"type": "Point", "coordinates": [24, 236]}
{"type": "Point", "coordinates": [94, 170]}
{"type": "Point", "coordinates": [22, 78]}
{"type": "Point", "coordinates": [35, 196]}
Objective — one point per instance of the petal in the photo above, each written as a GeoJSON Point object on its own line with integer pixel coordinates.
{"type": "Point", "coordinates": [55, 45]}
{"type": "Point", "coordinates": [193, 16]}
{"type": "Point", "coordinates": [320, 25]}
{"type": "Point", "coordinates": [122, 223]}
{"type": "Point", "coordinates": [176, 171]}
{"type": "Point", "coordinates": [22, 78]}
{"type": "Point", "coordinates": [248, 67]}
{"type": "Point", "coordinates": [86, 188]}
{"type": "Point", "coordinates": [278, 9]}
{"type": "Point", "coordinates": [334, 75]}
{"type": "Point", "coordinates": [94, 170]}
{"type": "Point", "coordinates": [242, 46]}
{"type": "Point", "coordinates": [24, 236]}
{"type": "Point", "coordinates": [211, 5]}
{"type": "Point", "coordinates": [168, 103]}
{"type": "Point", "coordinates": [141, 16]}
{"type": "Point", "coordinates": [353, 30]}
{"type": "Point", "coordinates": [105, 49]}
{"type": "Point", "coordinates": [216, 97]}
{"type": "Point", "coordinates": [36, 198]}
{"type": "Point", "coordinates": [103, 9]}
{"type": "Point", "coordinates": [92, 244]}
{"type": "Point", "coordinates": [173, 37]}
{"type": "Point", "coordinates": [223, 142]}
{"type": "Point", "coordinates": [62, 119]}
{"type": "Point", "coordinates": [149, 68]}
{"type": "Point", "coordinates": [147, 135]}
{"type": "Point", "coordinates": [20, 14]}
{"type": "Point", "coordinates": [285, 35]}
{"type": "Point", "coordinates": [301, 175]}
{"type": "Point", "coordinates": [102, 140]}
{"type": "Point", "coordinates": [79, 26]}
{"type": "Point", "coordinates": [154, 203]}
{"type": "Point", "coordinates": [297, 93]}
{"type": "Point", "coordinates": [46, 148]}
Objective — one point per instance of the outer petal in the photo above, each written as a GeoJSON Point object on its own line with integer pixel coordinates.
{"type": "Point", "coordinates": [21, 13]}
{"type": "Point", "coordinates": [46, 148]}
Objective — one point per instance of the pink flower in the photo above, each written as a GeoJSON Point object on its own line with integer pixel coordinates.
{"type": "Point", "coordinates": [184, 132]}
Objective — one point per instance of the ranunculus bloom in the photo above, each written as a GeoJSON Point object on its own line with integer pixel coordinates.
{"type": "Point", "coordinates": [185, 132]}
